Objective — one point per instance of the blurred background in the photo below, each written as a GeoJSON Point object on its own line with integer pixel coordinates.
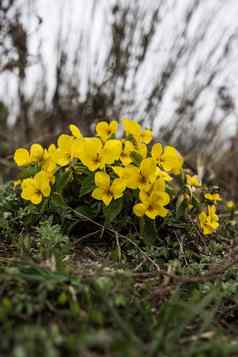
{"type": "Point", "coordinates": [170, 64]}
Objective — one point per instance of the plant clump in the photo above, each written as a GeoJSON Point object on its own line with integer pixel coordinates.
{"type": "Point", "coordinates": [113, 174]}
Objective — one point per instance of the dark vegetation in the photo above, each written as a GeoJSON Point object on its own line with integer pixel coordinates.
{"type": "Point", "coordinates": [73, 286]}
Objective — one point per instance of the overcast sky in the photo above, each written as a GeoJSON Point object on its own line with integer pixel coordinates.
{"type": "Point", "coordinates": [76, 13]}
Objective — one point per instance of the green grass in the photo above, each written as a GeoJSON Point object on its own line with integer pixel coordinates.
{"type": "Point", "coordinates": [61, 295]}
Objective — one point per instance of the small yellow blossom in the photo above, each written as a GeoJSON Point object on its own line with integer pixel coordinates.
{"type": "Point", "coordinates": [105, 130]}
{"type": "Point", "coordinates": [209, 221]}
{"type": "Point", "coordinates": [111, 151]}
{"type": "Point", "coordinates": [134, 129]}
{"type": "Point", "coordinates": [105, 190]}
{"type": "Point", "coordinates": [34, 189]}
{"type": "Point", "coordinates": [122, 173]}
{"type": "Point", "coordinates": [22, 157]}
{"type": "Point", "coordinates": [141, 177]}
{"type": "Point", "coordinates": [49, 159]}
{"type": "Point", "coordinates": [168, 158]}
{"type": "Point", "coordinates": [75, 131]}
{"type": "Point", "coordinates": [95, 155]}
{"type": "Point", "coordinates": [152, 203]}
{"type": "Point", "coordinates": [89, 152]}
{"type": "Point", "coordinates": [127, 149]}
{"type": "Point", "coordinates": [36, 152]}
{"type": "Point", "coordinates": [193, 181]}
{"type": "Point", "coordinates": [213, 197]}
{"type": "Point", "coordinates": [164, 175]}
{"type": "Point", "coordinates": [64, 153]}
{"type": "Point", "coordinates": [146, 136]}
{"type": "Point", "coordinates": [230, 204]}
{"type": "Point", "coordinates": [141, 149]}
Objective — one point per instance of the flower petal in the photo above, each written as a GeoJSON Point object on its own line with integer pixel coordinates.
{"type": "Point", "coordinates": [102, 180]}
{"type": "Point", "coordinates": [148, 167]}
{"type": "Point", "coordinates": [22, 157]}
{"type": "Point", "coordinates": [156, 151]}
{"type": "Point", "coordinates": [117, 188]}
{"type": "Point", "coordinates": [75, 131]}
{"type": "Point", "coordinates": [97, 193]}
{"type": "Point", "coordinates": [36, 152]}
{"type": "Point", "coordinates": [139, 209]}
{"type": "Point", "coordinates": [111, 151]}
{"type": "Point", "coordinates": [103, 130]}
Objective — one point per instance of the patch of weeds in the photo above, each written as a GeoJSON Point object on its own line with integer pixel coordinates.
{"type": "Point", "coordinates": [112, 313]}
{"type": "Point", "coordinates": [100, 315]}
{"type": "Point", "coordinates": [52, 243]}
{"type": "Point", "coordinates": [9, 211]}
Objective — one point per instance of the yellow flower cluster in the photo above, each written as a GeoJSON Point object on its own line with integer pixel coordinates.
{"type": "Point", "coordinates": [132, 167]}
{"type": "Point", "coordinates": [208, 218]}
{"type": "Point", "coordinates": [129, 163]}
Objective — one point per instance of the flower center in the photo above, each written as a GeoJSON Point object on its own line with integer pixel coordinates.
{"type": "Point", "coordinates": [96, 160]}
{"type": "Point", "coordinates": [142, 179]}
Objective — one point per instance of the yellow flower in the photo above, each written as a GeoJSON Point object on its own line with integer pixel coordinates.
{"type": "Point", "coordinates": [122, 173]}
{"type": "Point", "coordinates": [146, 136]}
{"type": "Point", "coordinates": [36, 152]}
{"type": "Point", "coordinates": [141, 149]}
{"type": "Point", "coordinates": [193, 181]}
{"type": "Point", "coordinates": [64, 153]}
{"type": "Point", "coordinates": [95, 155]}
{"type": "Point", "coordinates": [34, 189]}
{"type": "Point", "coordinates": [88, 151]}
{"type": "Point", "coordinates": [152, 205]}
{"type": "Point", "coordinates": [141, 177]}
{"type": "Point", "coordinates": [230, 204]}
{"type": "Point", "coordinates": [158, 188]}
{"type": "Point", "coordinates": [168, 158]}
{"type": "Point", "coordinates": [213, 197]}
{"type": "Point", "coordinates": [49, 159]}
{"type": "Point", "coordinates": [163, 175]}
{"type": "Point", "coordinates": [111, 151]}
{"type": "Point", "coordinates": [22, 157]}
{"type": "Point", "coordinates": [156, 152]}
{"type": "Point", "coordinates": [153, 202]}
{"type": "Point", "coordinates": [125, 156]}
{"type": "Point", "coordinates": [75, 131]}
{"type": "Point", "coordinates": [105, 130]}
{"type": "Point", "coordinates": [105, 190]}
{"type": "Point", "coordinates": [134, 129]}
{"type": "Point", "coordinates": [209, 221]}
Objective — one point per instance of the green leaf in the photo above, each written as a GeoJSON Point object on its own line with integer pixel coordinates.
{"type": "Point", "coordinates": [87, 185]}
{"type": "Point", "coordinates": [113, 210]}
{"type": "Point", "coordinates": [180, 206]}
{"type": "Point", "coordinates": [29, 171]}
{"type": "Point", "coordinates": [195, 201]}
{"type": "Point", "coordinates": [89, 211]}
{"type": "Point", "coordinates": [149, 231]}
{"type": "Point", "coordinates": [136, 158]}
{"type": "Point", "coordinates": [62, 179]}
{"type": "Point", "coordinates": [80, 169]}
{"type": "Point", "coordinates": [57, 201]}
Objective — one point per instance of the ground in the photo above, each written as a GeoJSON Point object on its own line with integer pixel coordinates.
{"type": "Point", "coordinates": [106, 294]}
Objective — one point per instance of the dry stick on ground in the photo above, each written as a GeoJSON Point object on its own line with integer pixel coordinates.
{"type": "Point", "coordinates": [212, 274]}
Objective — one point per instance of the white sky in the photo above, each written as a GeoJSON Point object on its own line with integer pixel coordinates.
{"type": "Point", "coordinates": [76, 14]}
